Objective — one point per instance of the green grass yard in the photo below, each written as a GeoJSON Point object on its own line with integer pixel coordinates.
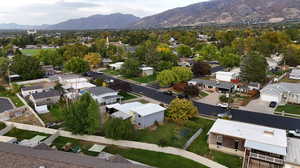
{"type": "Point", "coordinates": [14, 98]}
{"type": "Point", "coordinates": [2, 125]}
{"type": "Point", "coordinates": [60, 142]}
{"type": "Point", "coordinates": [145, 79]}
{"type": "Point", "coordinates": [289, 108]}
{"type": "Point", "coordinates": [127, 96]}
{"type": "Point", "coordinates": [156, 159]}
{"type": "Point", "coordinates": [23, 134]}
{"type": "Point", "coordinates": [33, 52]}
{"type": "Point", "coordinates": [55, 115]}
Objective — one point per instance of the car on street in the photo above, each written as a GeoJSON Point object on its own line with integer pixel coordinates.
{"type": "Point", "coordinates": [226, 114]}
{"type": "Point", "coordinates": [223, 105]}
{"type": "Point", "coordinates": [294, 133]}
{"type": "Point", "coordinates": [273, 104]}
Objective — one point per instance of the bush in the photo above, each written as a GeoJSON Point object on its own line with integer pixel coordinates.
{"type": "Point", "coordinates": [224, 99]}
{"type": "Point", "coordinates": [163, 142]}
{"type": "Point", "coordinates": [116, 128]}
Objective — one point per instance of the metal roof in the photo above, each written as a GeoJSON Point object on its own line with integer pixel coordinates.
{"type": "Point", "coordinates": [280, 88]}
{"type": "Point", "coordinates": [99, 90]}
{"type": "Point", "coordinates": [148, 109]}
{"type": "Point", "coordinates": [217, 84]}
{"type": "Point", "coordinates": [293, 151]}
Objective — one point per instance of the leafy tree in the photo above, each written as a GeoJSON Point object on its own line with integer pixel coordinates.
{"type": "Point", "coordinates": [180, 110]}
{"type": "Point", "coordinates": [292, 55]}
{"type": "Point", "coordinates": [131, 68]}
{"type": "Point", "coordinates": [228, 58]}
{"type": "Point", "coordinates": [208, 52]}
{"type": "Point", "coordinates": [51, 57]}
{"type": "Point", "coordinates": [166, 78]}
{"type": "Point", "coordinates": [77, 65]}
{"type": "Point", "coordinates": [27, 67]}
{"type": "Point", "coordinates": [253, 68]}
{"type": "Point", "coordinates": [184, 51]}
{"type": "Point", "coordinates": [3, 66]}
{"type": "Point", "coordinates": [94, 59]}
{"type": "Point", "coordinates": [191, 90]}
{"type": "Point", "coordinates": [76, 50]}
{"type": "Point", "coordinates": [82, 116]}
{"type": "Point", "coordinates": [201, 68]}
{"type": "Point", "coordinates": [116, 128]}
{"type": "Point", "coordinates": [183, 73]}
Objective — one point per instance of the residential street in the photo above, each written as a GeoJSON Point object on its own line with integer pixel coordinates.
{"type": "Point", "coordinates": [238, 115]}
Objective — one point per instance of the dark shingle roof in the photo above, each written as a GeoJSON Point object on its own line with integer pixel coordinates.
{"type": "Point", "coordinates": [34, 87]}
{"type": "Point", "coordinates": [50, 93]}
{"type": "Point", "coordinates": [15, 156]}
{"type": "Point", "coordinates": [99, 90]}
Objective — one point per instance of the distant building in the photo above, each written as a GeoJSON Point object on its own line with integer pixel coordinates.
{"type": "Point", "coordinates": [42, 100]}
{"type": "Point", "coordinates": [116, 66]}
{"type": "Point", "coordinates": [295, 74]}
{"type": "Point", "coordinates": [147, 71]}
{"type": "Point", "coordinates": [226, 76]}
{"type": "Point", "coordinates": [31, 32]}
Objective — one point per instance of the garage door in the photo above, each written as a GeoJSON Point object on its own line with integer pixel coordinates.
{"type": "Point", "coordinates": [269, 98]}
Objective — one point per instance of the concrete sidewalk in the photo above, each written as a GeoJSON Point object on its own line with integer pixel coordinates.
{"type": "Point", "coordinates": [122, 143]}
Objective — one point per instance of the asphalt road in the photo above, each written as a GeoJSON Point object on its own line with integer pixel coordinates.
{"type": "Point", "coordinates": [237, 115]}
{"type": "Point", "coordinates": [5, 105]}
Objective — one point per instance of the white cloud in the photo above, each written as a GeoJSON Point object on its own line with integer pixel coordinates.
{"type": "Point", "coordinates": [54, 11]}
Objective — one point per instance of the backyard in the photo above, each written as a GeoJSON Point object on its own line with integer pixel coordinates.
{"type": "Point", "coordinates": [84, 146]}
{"type": "Point", "coordinates": [156, 159]}
{"type": "Point", "coordinates": [55, 115]}
{"type": "Point", "coordinates": [14, 98]}
{"type": "Point", "coordinates": [289, 108]}
{"type": "Point", "coordinates": [23, 134]}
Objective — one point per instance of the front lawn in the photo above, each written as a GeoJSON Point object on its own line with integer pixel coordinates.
{"type": "Point", "coordinates": [144, 79]}
{"type": "Point", "coordinates": [23, 134]}
{"type": "Point", "coordinates": [156, 159]}
{"type": "Point", "coordinates": [60, 142]}
{"type": "Point", "coordinates": [289, 108]}
{"type": "Point", "coordinates": [127, 96]}
{"type": "Point", "coordinates": [14, 98]}
{"type": "Point", "coordinates": [200, 147]}
{"type": "Point", "coordinates": [2, 125]}
{"type": "Point", "coordinates": [203, 94]}
{"type": "Point", "coordinates": [111, 72]}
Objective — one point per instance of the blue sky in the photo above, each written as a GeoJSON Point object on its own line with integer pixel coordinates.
{"type": "Point", "coordinates": [54, 11]}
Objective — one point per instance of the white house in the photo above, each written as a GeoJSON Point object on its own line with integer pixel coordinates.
{"type": "Point", "coordinates": [142, 115]}
{"type": "Point", "coordinates": [281, 93]}
{"type": "Point", "coordinates": [226, 76]}
{"type": "Point", "coordinates": [103, 95]}
{"type": "Point", "coordinates": [259, 145]}
{"type": "Point", "coordinates": [295, 74]}
{"type": "Point", "coordinates": [147, 71]}
{"type": "Point", "coordinates": [74, 82]}
{"type": "Point", "coordinates": [116, 66]}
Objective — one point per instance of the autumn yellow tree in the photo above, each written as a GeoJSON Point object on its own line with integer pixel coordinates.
{"type": "Point", "coordinates": [94, 59]}
{"type": "Point", "coordinates": [180, 110]}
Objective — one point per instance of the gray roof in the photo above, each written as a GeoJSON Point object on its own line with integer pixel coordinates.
{"type": "Point", "coordinates": [5, 105]}
{"type": "Point", "coordinates": [99, 90]}
{"type": "Point", "coordinates": [34, 87]}
{"type": "Point", "coordinates": [221, 85]}
{"type": "Point", "coordinates": [16, 156]}
{"type": "Point", "coordinates": [293, 151]}
{"type": "Point", "coordinates": [281, 88]}
{"type": "Point", "coordinates": [50, 93]}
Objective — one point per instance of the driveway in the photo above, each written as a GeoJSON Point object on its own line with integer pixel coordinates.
{"type": "Point", "coordinates": [211, 99]}
{"type": "Point", "coordinates": [259, 106]}
{"type": "Point", "coordinates": [5, 105]}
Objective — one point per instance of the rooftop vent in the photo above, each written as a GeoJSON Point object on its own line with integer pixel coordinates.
{"type": "Point", "coordinates": [269, 132]}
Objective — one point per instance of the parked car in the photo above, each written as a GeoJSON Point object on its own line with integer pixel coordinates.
{"type": "Point", "coordinates": [226, 114]}
{"type": "Point", "coordinates": [294, 133]}
{"type": "Point", "coordinates": [223, 105]}
{"type": "Point", "coordinates": [170, 93]}
{"type": "Point", "coordinates": [273, 104]}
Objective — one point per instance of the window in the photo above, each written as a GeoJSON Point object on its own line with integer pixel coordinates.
{"type": "Point", "coordinates": [219, 140]}
{"type": "Point", "coordinates": [139, 124]}
{"type": "Point", "coordinates": [139, 116]}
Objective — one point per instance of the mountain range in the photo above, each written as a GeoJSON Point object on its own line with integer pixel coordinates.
{"type": "Point", "coordinates": [213, 11]}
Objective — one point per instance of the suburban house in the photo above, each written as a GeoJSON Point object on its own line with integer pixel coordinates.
{"type": "Point", "coordinates": [74, 83]}
{"type": "Point", "coordinates": [43, 99]}
{"type": "Point", "coordinates": [116, 66]}
{"type": "Point", "coordinates": [103, 95]}
{"type": "Point", "coordinates": [106, 61]}
{"type": "Point", "coordinates": [262, 147]}
{"type": "Point", "coordinates": [141, 115]}
{"type": "Point", "coordinates": [226, 76]}
{"type": "Point", "coordinates": [295, 74]}
{"type": "Point", "coordinates": [281, 93]}
{"type": "Point", "coordinates": [147, 71]}
{"type": "Point", "coordinates": [28, 90]}
{"type": "Point", "coordinates": [212, 85]}
{"type": "Point", "coordinates": [254, 86]}
{"type": "Point", "coordinates": [48, 70]}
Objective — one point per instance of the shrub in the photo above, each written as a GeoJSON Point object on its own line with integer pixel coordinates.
{"type": "Point", "coordinates": [116, 128]}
